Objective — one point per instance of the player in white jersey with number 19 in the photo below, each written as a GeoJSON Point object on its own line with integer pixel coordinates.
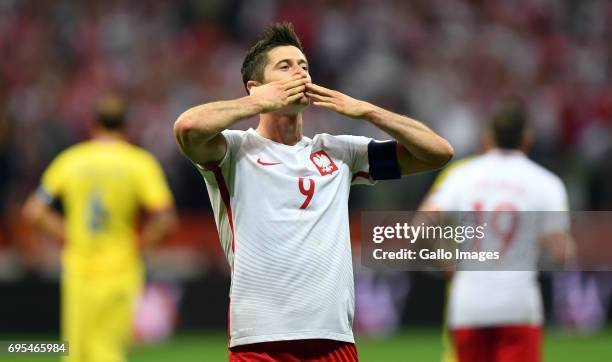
{"type": "Point", "coordinates": [280, 201]}
{"type": "Point", "coordinates": [496, 316]}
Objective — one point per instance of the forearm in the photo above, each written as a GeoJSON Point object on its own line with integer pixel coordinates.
{"type": "Point", "coordinates": [53, 224]}
{"type": "Point", "coordinates": [44, 218]}
{"type": "Point", "coordinates": [418, 139]}
{"type": "Point", "coordinates": [561, 248]}
{"type": "Point", "coordinates": [158, 227]}
{"type": "Point", "coordinates": [202, 123]}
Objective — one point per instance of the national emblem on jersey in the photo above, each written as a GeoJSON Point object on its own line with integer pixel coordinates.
{"type": "Point", "coordinates": [323, 162]}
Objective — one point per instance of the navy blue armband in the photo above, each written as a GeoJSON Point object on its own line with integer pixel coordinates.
{"type": "Point", "coordinates": [382, 157]}
{"type": "Point", "coordinates": [43, 195]}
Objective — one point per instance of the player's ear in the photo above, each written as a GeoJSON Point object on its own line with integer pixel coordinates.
{"type": "Point", "coordinates": [252, 83]}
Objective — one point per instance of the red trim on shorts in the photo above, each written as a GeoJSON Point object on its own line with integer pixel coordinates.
{"type": "Point", "coordinates": [311, 350]}
{"type": "Point", "coordinates": [363, 174]}
{"type": "Point", "coordinates": [513, 343]}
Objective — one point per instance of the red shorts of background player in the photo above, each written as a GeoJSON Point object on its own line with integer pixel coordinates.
{"type": "Point", "coordinates": [304, 350]}
{"type": "Point", "coordinates": [498, 344]}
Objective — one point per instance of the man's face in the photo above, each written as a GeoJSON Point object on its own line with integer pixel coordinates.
{"type": "Point", "coordinates": [283, 63]}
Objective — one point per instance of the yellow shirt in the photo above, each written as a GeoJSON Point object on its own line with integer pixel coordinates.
{"type": "Point", "coordinates": [102, 186]}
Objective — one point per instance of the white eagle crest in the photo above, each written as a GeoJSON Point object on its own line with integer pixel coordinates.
{"type": "Point", "coordinates": [323, 162]}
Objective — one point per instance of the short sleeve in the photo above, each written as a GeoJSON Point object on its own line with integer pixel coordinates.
{"type": "Point", "coordinates": [356, 151]}
{"type": "Point", "coordinates": [234, 140]}
{"type": "Point", "coordinates": [226, 166]}
{"type": "Point", "coordinates": [153, 188]}
{"type": "Point", "coordinates": [556, 213]}
{"type": "Point", "coordinates": [53, 180]}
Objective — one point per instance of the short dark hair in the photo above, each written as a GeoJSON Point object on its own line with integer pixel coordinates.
{"type": "Point", "coordinates": [110, 112]}
{"type": "Point", "coordinates": [277, 34]}
{"type": "Point", "coordinates": [509, 123]}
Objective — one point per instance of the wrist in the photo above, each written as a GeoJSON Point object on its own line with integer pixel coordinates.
{"type": "Point", "coordinates": [369, 111]}
{"type": "Point", "coordinates": [253, 103]}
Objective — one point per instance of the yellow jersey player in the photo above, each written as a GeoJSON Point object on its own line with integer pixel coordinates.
{"type": "Point", "coordinates": [103, 184]}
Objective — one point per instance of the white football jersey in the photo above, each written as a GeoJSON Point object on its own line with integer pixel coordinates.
{"type": "Point", "coordinates": [503, 181]}
{"type": "Point", "coordinates": [283, 221]}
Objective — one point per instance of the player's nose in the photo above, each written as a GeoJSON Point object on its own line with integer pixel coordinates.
{"type": "Point", "coordinates": [303, 73]}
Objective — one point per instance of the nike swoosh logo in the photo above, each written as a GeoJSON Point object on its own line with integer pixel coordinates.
{"type": "Point", "coordinates": [259, 161]}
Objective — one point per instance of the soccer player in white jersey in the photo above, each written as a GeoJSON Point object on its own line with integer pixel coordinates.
{"type": "Point", "coordinates": [280, 200]}
{"type": "Point", "coordinates": [496, 316]}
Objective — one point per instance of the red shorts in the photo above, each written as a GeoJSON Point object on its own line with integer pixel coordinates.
{"type": "Point", "coordinates": [498, 344]}
{"type": "Point", "coordinates": [310, 350]}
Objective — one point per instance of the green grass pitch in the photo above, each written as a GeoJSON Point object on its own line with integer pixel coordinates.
{"type": "Point", "coordinates": [419, 345]}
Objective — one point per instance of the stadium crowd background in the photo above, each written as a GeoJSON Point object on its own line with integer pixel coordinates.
{"type": "Point", "coordinates": [445, 62]}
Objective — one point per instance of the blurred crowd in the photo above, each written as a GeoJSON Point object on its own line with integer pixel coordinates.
{"type": "Point", "coordinates": [445, 62]}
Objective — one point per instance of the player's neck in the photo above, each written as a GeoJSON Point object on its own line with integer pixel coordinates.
{"type": "Point", "coordinates": [107, 136]}
{"type": "Point", "coordinates": [285, 129]}
{"type": "Point", "coordinates": [507, 151]}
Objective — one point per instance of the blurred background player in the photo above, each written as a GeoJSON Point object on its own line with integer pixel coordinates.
{"type": "Point", "coordinates": [102, 185]}
{"type": "Point", "coordinates": [280, 200]}
{"type": "Point", "coordinates": [497, 316]}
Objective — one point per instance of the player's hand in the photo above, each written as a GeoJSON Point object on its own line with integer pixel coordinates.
{"type": "Point", "coordinates": [278, 94]}
{"type": "Point", "coordinates": [336, 101]}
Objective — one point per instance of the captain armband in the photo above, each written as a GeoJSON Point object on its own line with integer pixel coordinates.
{"type": "Point", "coordinates": [382, 156]}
